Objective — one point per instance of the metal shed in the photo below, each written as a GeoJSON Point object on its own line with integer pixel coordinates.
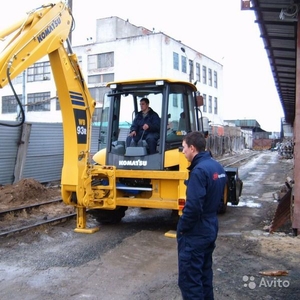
{"type": "Point", "coordinates": [278, 22]}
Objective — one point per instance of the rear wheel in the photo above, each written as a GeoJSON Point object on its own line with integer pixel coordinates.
{"type": "Point", "coordinates": [175, 215]}
{"type": "Point", "coordinates": [109, 216]}
{"type": "Point", "coordinates": [222, 208]}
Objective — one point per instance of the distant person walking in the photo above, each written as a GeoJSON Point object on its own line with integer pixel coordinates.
{"type": "Point", "coordinates": [197, 227]}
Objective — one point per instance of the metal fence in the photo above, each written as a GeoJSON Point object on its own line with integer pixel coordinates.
{"type": "Point", "coordinates": [220, 145]}
{"type": "Point", "coordinates": [44, 155]}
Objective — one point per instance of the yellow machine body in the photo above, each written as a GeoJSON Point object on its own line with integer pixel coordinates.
{"type": "Point", "coordinates": [111, 181]}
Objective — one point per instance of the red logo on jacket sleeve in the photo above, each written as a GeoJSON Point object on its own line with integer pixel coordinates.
{"type": "Point", "coordinates": [215, 176]}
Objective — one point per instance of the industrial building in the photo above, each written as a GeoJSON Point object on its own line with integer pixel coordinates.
{"type": "Point", "coordinates": [121, 51]}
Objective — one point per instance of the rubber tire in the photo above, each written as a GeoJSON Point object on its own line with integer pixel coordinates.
{"type": "Point", "coordinates": [110, 216]}
{"type": "Point", "coordinates": [222, 208]}
{"type": "Point", "coordinates": [223, 203]}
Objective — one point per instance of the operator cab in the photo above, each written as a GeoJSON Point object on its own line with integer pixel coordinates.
{"type": "Point", "coordinates": [175, 103]}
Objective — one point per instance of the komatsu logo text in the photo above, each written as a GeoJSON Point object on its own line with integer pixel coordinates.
{"type": "Point", "coordinates": [138, 163]}
{"type": "Point", "coordinates": [49, 29]}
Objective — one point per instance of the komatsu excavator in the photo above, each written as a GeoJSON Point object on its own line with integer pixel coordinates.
{"type": "Point", "coordinates": [118, 176]}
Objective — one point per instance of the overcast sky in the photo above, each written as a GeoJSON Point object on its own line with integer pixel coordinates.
{"type": "Point", "coordinates": [218, 29]}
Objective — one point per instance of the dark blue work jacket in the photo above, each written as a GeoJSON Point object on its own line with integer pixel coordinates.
{"type": "Point", "coordinates": [205, 189]}
{"type": "Point", "coordinates": [151, 119]}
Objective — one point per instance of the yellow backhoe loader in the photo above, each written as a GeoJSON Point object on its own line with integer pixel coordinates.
{"type": "Point", "coordinates": [118, 176]}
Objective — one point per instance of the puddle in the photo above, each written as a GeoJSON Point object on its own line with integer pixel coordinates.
{"type": "Point", "coordinates": [229, 233]}
{"type": "Point", "coordinates": [248, 203]}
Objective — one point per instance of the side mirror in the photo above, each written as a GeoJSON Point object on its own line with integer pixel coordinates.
{"type": "Point", "coordinates": [199, 100]}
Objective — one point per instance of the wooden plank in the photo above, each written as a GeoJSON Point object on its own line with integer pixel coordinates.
{"type": "Point", "coordinates": [22, 152]}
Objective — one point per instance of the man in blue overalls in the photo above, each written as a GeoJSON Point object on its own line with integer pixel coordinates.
{"type": "Point", "coordinates": [197, 228]}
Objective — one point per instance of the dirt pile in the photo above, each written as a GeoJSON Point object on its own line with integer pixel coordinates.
{"type": "Point", "coordinates": [26, 191]}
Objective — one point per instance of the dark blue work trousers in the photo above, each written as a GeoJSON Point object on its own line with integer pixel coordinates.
{"type": "Point", "coordinates": [195, 278]}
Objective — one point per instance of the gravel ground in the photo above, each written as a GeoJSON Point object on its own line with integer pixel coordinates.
{"type": "Point", "coordinates": [134, 260]}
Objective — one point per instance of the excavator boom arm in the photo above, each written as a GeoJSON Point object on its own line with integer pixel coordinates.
{"type": "Point", "coordinates": [44, 32]}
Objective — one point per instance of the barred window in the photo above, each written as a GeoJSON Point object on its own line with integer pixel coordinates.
{"type": "Point", "coordinates": [39, 72]}
{"type": "Point", "coordinates": [38, 102]}
{"type": "Point", "coordinates": [10, 104]}
{"type": "Point", "coordinates": [100, 61]}
{"type": "Point", "coordinates": [101, 78]}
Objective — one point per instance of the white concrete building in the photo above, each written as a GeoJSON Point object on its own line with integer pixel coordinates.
{"type": "Point", "coordinates": [121, 51]}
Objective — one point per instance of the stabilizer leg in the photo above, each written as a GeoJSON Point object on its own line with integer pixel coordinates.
{"type": "Point", "coordinates": [81, 222]}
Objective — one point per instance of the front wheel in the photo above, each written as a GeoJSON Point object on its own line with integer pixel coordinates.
{"type": "Point", "coordinates": [109, 216]}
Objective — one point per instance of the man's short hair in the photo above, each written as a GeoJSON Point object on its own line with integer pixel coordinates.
{"type": "Point", "coordinates": [145, 100]}
{"type": "Point", "coordinates": [197, 139]}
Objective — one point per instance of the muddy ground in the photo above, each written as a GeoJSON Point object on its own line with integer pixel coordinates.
{"type": "Point", "coordinates": [134, 260]}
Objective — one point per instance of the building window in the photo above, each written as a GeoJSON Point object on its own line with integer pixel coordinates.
{"type": "Point", "coordinates": [39, 72]}
{"type": "Point", "coordinates": [79, 59]}
{"type": "Point", "coordinates": [18, 79]}
{"type": "Point", "coordinates": [183, 64]}
{"type": "Point", "coordinates": [98, 93]}
{"type": "Point", "coordinates": [105, 60]}
{"type": "Point", "coordinates": [57, 102]}
{"type": "Point", "coordinates": [10, 104]}
{"type": "Point", "coordinates": [209, 77]}
{"type": "Point", "coordinates": [198, 72]}
{"type": "Point", "coordinates": [191, 75]}
{"type": "Point", "coordinates": [215, 105]}
{"type": "Point", "coordinates": [101, 78]}
{"type": "Point", "coordinates": [96, 118]}
{"type": "Point", "coordinates": [38, 102]}
{"type": "Point", "coordinates": [175, 61]}
{"type": "Point", "coordinates": [215, 79]}
{"type": "Point", "coordinates": [204, 103]}
{"type": "Point", "coordinates": [100, 61]}
{"type": "Point", "coordinates": [210, 104]}
{"type": "Point", "coordinates": [204, 74]}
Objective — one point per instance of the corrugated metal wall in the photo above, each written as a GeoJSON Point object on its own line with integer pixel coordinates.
{"type": "Point", "coordinates": [45, 152]}
{"type": "Point", "coordinates": [9, 141]}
